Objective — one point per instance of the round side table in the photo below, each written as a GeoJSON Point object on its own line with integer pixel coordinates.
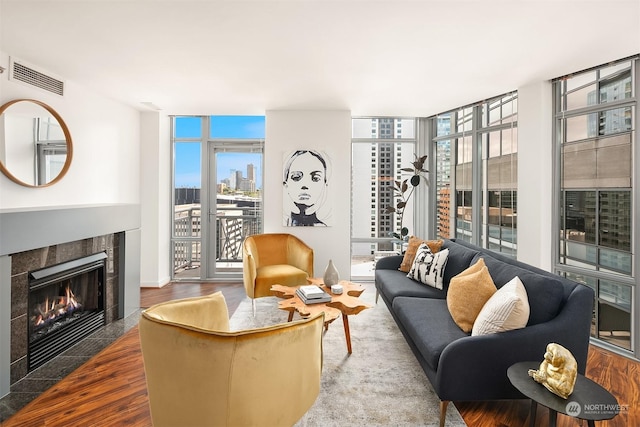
{"type": "Point", "coordinates": [589, 401]}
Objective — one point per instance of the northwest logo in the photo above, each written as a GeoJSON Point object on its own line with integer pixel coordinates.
{"type": "Point", "coordinates": [573, 409]}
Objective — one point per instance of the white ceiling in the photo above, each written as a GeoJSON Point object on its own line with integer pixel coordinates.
{"type": "Point", "coordinates": [413, 58]}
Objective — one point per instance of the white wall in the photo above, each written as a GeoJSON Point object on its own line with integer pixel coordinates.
{"type": "Point", "coordinates": [155, 199]}
{"type": "Point", "coordinates": [535, 174]}
{"type": "Point", "coordinates": [106, 148]}
{"type": "Point", "coordinates": [105, 170]}
{"type": "Point", "coordinates": [328, 131]}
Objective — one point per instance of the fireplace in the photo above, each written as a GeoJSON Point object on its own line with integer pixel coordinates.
{"type": "Point", "coordinates": [66, 303]}
{"type": "Point", "coordinates": [36, 238]}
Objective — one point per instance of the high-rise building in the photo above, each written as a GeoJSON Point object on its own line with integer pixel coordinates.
{"type": "Point", "coordinates": [251, 172]}
{"type": "Point", "coordinates": [238, 181]}
{"type": "Point", "coordinates": [381, 161]}
{"type": "Point", "coordinates": [233, 183]}
{"type": "Point", "coordinates": [443, 177]}
{"type": "Point", "coordinates": [247, 185]}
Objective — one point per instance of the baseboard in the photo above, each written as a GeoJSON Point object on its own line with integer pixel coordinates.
{"type": "Point", "coordinates": [159, 284]}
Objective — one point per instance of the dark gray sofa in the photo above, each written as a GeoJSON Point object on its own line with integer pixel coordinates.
{"type": "Point", "coordinates": [465, 368]}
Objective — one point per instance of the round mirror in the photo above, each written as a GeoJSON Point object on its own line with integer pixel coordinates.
{"type": "Point", "coordinates": [35, 143]}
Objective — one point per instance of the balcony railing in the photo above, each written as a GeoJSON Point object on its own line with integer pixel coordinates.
{"type": "Point", "coordinates": [187, 248]}
{"type": "Point", "coordinates": [232, 227]}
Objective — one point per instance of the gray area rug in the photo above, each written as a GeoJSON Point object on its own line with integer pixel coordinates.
{"type": "Point", "coordinates": [380, 384]}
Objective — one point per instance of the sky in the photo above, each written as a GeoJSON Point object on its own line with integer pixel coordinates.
{"type": "Point", "coordinates": [187, 154]}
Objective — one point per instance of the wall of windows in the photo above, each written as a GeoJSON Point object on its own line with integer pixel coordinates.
{"type": "Point", "coordinates": [595, 137]}
{"type": "Point", "coordinates": [380, 147]}
{"type": "Point", "coordinates": [475, 157]}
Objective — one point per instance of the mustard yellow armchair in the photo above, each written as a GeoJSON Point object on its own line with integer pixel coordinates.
{"type": "Point", "coordinates": [201, 374]}
{"type": "Point", "coordinates": [277, 258]}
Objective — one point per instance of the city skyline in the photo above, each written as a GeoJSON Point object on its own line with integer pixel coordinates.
{"type": "Point", "coordinates": [188, 131]}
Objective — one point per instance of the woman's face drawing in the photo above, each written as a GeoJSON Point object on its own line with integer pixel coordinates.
{"type": "Point", "coordinates": [306, 180]}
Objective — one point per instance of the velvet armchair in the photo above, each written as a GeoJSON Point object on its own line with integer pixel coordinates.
{"type": "Point", "coordinates": [201, 374]}
{"type": "Point", "coordinates": [276, 258]}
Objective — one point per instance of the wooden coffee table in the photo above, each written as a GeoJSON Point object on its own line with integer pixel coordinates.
{"type": "Point", "coordinates": [343, 305]}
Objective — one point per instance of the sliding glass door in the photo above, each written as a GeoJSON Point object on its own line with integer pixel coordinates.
{"type": "Point", "coordinates": [235, 203]}
{"type": "Point", "coordinates": [217, 193]}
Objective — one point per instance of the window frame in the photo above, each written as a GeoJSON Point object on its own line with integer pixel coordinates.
{"type": "Point", "coordinates": [379, 146]}
{"type": "Point", "coordinates": [472, 121]}
{"type": "Point", "coordinates": [599, 275]}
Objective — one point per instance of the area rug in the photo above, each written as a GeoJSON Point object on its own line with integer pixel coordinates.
{"type": "Point", "coordinates": [379, 384]}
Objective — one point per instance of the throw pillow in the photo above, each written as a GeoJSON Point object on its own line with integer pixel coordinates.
{"type": "Point", "coordinates": [412, 249]}
{"type": "Point", "coordinates": [473, 268]}
{"type": "Point", "coordinates": [421, 261]}
{"type": "Point", "coordinates": [428, 268]}
{"type": "Point", "coordinates": [507, 309]}
{"type": "Point", "coordinates": [468, 292]}
{"type": "Point", "coordinates": [435, 272]}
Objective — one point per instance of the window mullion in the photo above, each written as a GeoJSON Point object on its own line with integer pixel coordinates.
{"type": "Point", "coordinates": [477, 189]}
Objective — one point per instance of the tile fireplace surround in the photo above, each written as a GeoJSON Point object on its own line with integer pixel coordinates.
{"type": "Point", "coordinates": [24, 262]}
{"type": "Point", "coordinates": [35, 238]}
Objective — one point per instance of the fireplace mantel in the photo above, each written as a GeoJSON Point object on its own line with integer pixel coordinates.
{"type": "Point", "coordinates": [33, 228]}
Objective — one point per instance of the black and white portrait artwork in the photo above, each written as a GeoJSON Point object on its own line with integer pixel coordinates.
{"type": "Point", "coordinates": [306, 176]}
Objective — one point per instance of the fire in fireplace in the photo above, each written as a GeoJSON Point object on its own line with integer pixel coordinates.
{"type": "Point", "coordinates": [66, 303]}
{"type": "Point", "coordinates": [55, 310]}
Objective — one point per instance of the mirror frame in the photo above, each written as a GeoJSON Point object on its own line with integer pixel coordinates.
{"type": "Point", "coordinates": [67, 136]}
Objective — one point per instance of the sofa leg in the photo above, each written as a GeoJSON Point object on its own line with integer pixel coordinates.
{"type": "Point", "coordinates": [377, 295]}
{"type": "Point", "coordinates": [443, 411]}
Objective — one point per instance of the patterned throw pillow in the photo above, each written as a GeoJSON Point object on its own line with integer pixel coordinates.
{"type": "Point", "coordinates": [421, 261]}
{"type": "Point", "coordinates": [507, 309]}
{"type": "Point", "coordinates": [428, 268]}
{"type": "Point", "coordinates": [412, 248]}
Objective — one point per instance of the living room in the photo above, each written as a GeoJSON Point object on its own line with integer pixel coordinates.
{"type": "Point", "coordinates": [309, 68]}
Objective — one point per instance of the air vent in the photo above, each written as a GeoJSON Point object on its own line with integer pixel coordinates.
{"type": "Point", "coordinates": [29, 75]}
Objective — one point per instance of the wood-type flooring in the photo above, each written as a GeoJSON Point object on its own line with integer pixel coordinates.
{"type": "Point", "coordinates": [110, 389]}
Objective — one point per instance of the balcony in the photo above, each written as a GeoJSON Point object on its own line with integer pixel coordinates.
{"type": "Point", "coordinates": [232, 225]}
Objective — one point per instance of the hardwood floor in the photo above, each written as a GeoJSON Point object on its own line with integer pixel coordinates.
{"type": "Point", "coordinates": [233, 293]}
{"type": "Point", "coordinates": [110, 389]}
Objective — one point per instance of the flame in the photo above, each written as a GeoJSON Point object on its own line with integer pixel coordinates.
{"type": "Point", "coordinates": [51, 309]}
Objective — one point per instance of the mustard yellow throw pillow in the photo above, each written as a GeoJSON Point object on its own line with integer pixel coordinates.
{"type": "Point", "coordinates": [412, 248]}
{"type": "Point", "coordinates": [468, 293]}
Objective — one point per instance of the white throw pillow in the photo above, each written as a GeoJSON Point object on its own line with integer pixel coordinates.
{"type": "Point", "coordinates": [428, 268]}
{"type": "Point", "coordinates": [507, 309]}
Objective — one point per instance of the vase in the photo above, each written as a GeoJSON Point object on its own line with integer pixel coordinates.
{"type": "Point", "coordinates": [331, 276]}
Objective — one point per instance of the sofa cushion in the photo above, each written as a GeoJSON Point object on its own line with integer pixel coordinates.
{"type": "Point", "coordinates": [428, 323]}
{"type": "Point", "coordinates": [412, 248]}
{"type": "Point", "coordinates": [545, 293]}
{"type": "Point", "coordinates": [394, 283]}
{"type": "Point", "coordinates": [428, 268]}
{"type": "Point", "coordinates": [468, 293]}
{"type": "Point", "coordinates": [506, 310]}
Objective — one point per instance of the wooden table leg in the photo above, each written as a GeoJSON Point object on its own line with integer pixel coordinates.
{"type": "Point", "coordinates": [290, 316]}
{"type": "Point", "coordinates": [347, 334]}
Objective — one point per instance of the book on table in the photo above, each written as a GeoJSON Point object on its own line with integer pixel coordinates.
{"type": "Point", "coordinates": [315, 300]}
{"type": "Point", "coordinates": [312, 291]}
